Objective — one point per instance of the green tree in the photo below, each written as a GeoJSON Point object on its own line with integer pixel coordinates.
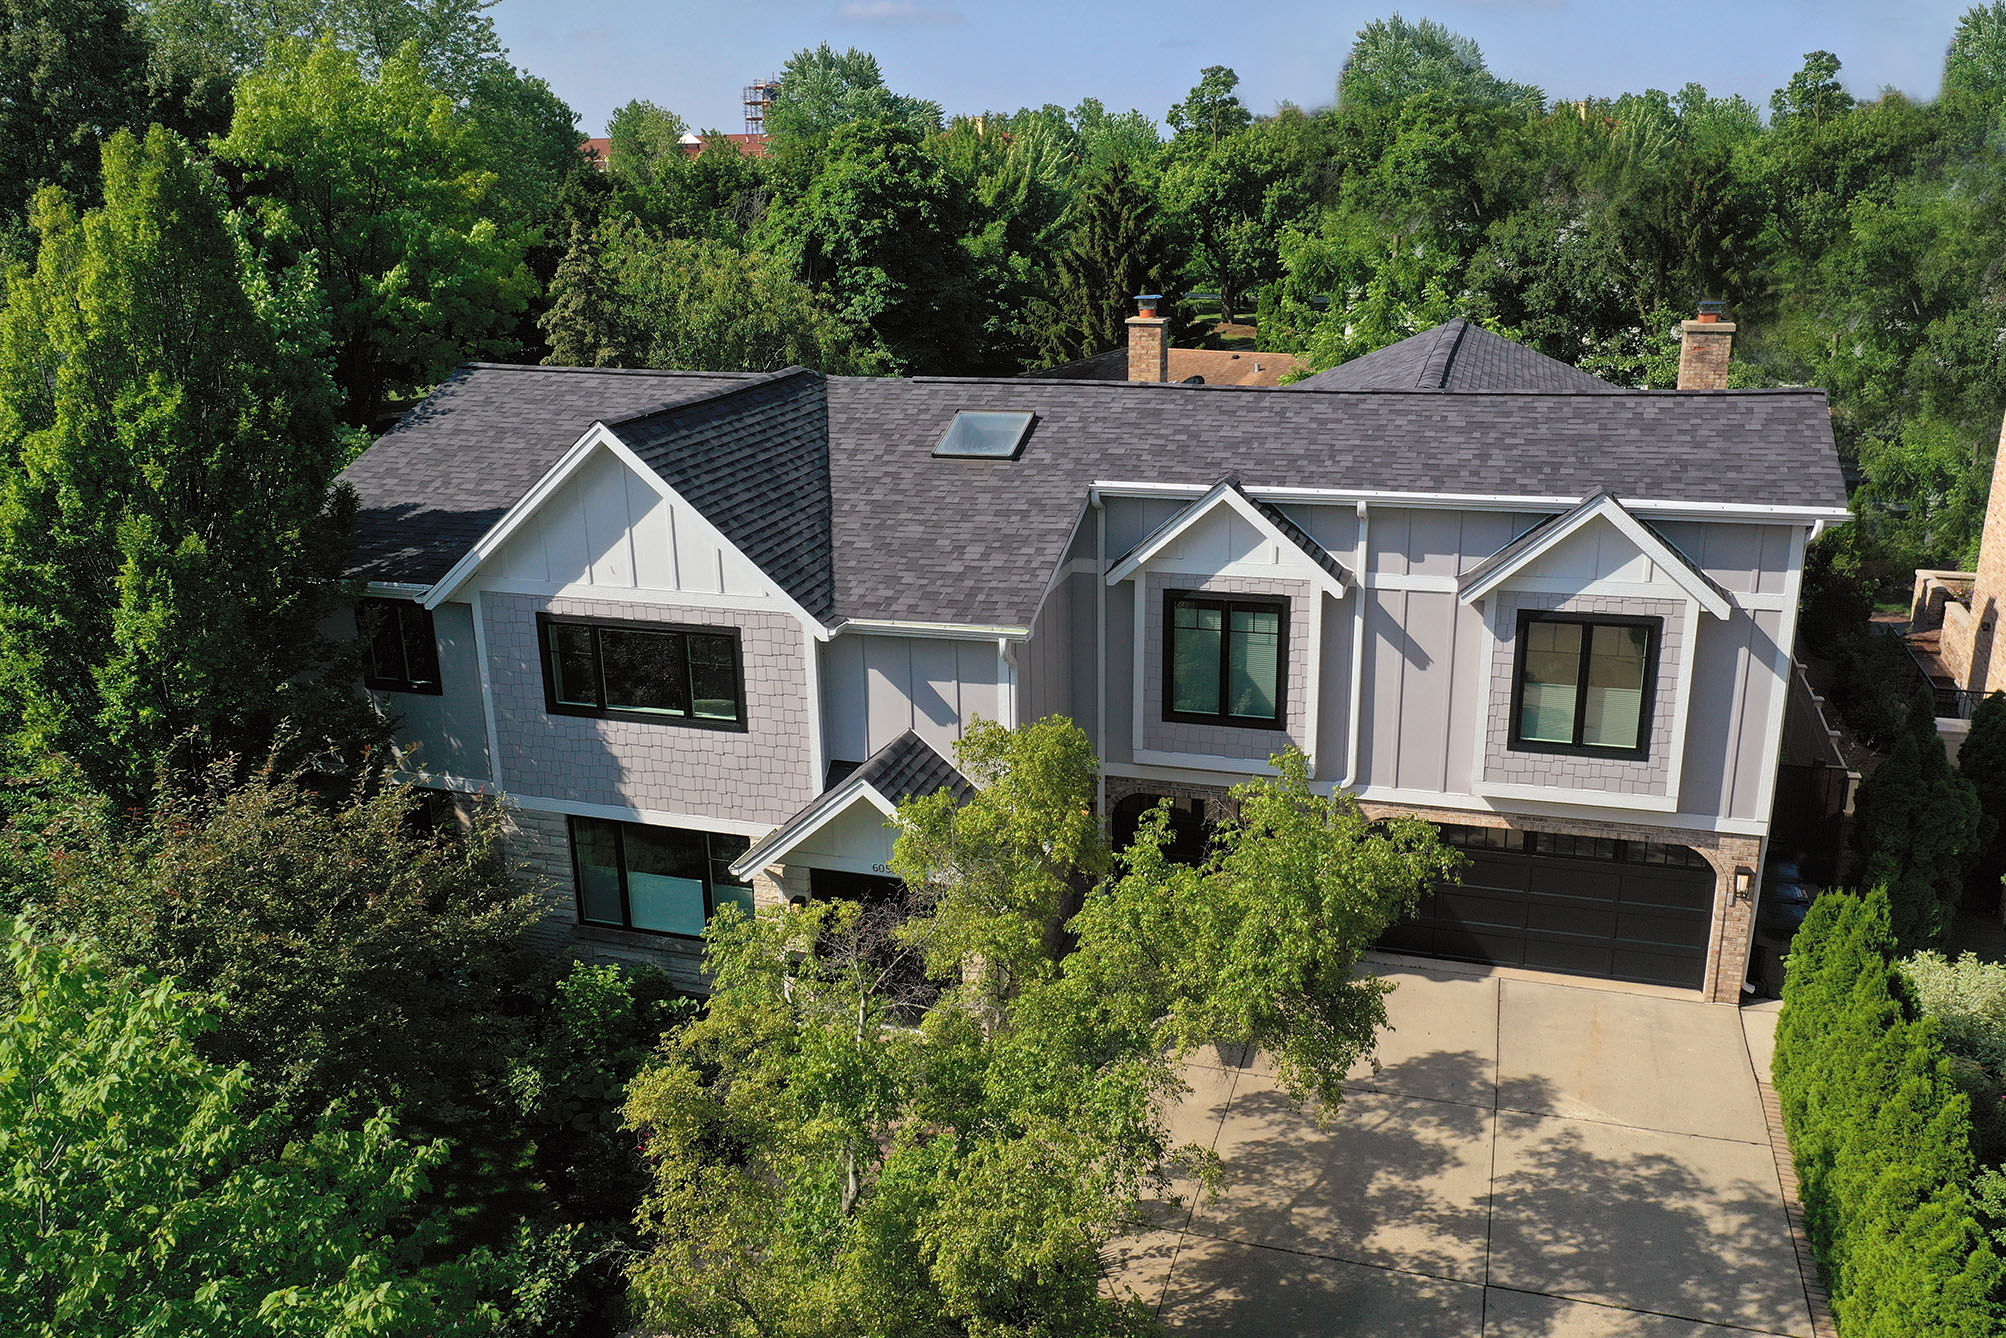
{"type": "Point", "coordinates": [877, 236]}
{"type": "Point", "coordinates": [1975, 65]}
{"type": "Point", "coordinates": [1393, 60]}
{"type": "Point", "coordinates": [169, 538]}
{"type": "Point", "coordinates": [1915, 828]}
{"type": "Point", "coordinates": [1117, 247]}
{"type": "Point", "coordinates": [386, 189]}
{"type": "Point", "coordinates": [954, 1160]}
{"type": "Point", "coordinates": [583, 320]}
{"type": "Point", "coordinates": [710, 307]}
{"type": "Point", "coordinates": [1981, 760]}
{"type": "Point", "coordinates": [71, 73]}
{"type": "Point", "coordinates": [371, 961]}
{"type": "Point", "coordinates": [1212, 110]}
{"type": "Point", "coordinates": [1814, 92]}
{"type": "Point", "coordinates": [138, 1197]}
{"type": "Point", "coordinates": [822, 90]}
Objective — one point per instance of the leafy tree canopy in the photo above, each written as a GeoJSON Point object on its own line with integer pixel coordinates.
{"type": "Point", "coordinates": [170, 540]}
{"type": "Point", "coordinates": [1394, 59]}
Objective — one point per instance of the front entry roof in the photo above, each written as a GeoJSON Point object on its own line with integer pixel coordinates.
{"type": "Point", "coordinates": [906, 768]}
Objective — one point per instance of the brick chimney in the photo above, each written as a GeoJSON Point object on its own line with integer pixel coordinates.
{"type": "Point", "coordinates": [1704, 345]}
{"type": "Point", "coordinates": [1148, 341]}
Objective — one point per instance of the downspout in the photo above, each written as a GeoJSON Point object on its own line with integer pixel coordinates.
{"type": "Point", "coordinates": [1100, 650]}
{"type": "Point", "coordinates": [1358, 560]}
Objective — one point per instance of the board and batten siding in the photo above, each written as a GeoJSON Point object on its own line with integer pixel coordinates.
{"type": "Point", "coordinates": [609, 527]}
{"type": "Point", "coordinates": [875, 688]}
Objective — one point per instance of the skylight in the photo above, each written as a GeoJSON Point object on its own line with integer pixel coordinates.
{"type": "Point", "coordinates": [982, 434]}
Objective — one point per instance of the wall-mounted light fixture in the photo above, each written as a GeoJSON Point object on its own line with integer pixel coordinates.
{"type": "Point", "coordinates": [1744, 883]}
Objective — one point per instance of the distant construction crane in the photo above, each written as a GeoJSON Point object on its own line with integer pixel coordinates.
{"type": "Point", "coordinates": [758, 100]}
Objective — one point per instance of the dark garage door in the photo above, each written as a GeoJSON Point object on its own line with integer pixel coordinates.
{"type": "Point", "coordinates": [1625, 910]}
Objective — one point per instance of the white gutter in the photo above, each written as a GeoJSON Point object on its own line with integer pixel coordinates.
{"type": "Point", "coordinates": [1488, 501]}
{"type": "Point", "coordinates": [956, 631]}
{"type": "Point", "coordinates": [1100, 651]}
{"type": "Point", "coordinates": [1359, 558]}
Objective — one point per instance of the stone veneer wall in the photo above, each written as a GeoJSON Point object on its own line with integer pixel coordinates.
{"type": "Point", "coordinates": [1648, 775]}
{"type": "Point", "coordinates": [761, 774]}
{"type": "Point", "coordinates": [1226, 740]}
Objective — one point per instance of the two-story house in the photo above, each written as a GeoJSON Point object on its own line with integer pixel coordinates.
{"type": "Point", "coordinates": [704, 631]}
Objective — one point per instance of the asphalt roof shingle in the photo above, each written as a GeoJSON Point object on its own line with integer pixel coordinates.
{"type": "Point", "coordinates": [1457, 355]}
{"type": "Point", "coordinates": [830, 484]}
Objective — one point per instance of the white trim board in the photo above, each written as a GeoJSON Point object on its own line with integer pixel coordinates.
{"type": "Point", "coordinates": [1459, 501]}
{"type": "Point", "coordinates": [1228, 494]}
{"type": "Point", "coordinates": [1666, 559]}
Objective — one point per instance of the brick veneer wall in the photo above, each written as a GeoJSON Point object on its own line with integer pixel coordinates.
{"type": "Point", "coordinates": [1225, 740]}
{"type": "Point", "coordinates": [1648, 775]}
{"type": "Point", "coordinates": [1985, 661]}
{"type": "Point", "coordinates": [1704, 349]}
{"type": "Point", "coordinates": [761, 774]}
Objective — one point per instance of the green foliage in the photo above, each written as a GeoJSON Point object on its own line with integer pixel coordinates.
{"type": "Point", "coordinates": [834, 1153]}
{"type": "Point", "coordinates": [385, 189]}
{"type": "Point", "coordinates": [1211, 111]}
{"type": "Point", "coordinates": [1117, 247]}
{"type": "Point", "coordinates": [169, 540]}
{"type": "Point", "coordinates": [139, 1198]}
{"type": "Point", "coordinates": [1394, 60]}
{"type": "Point", "coordinates": [1975, 65]}
{"type": "Point", "coordinates": [1837, 598]}
{"type": "Point", "coordinates": [1981, 760]}
{"type": "Point", "coordinates": [349, 954]}
{"type": "Point", "coordinates": [71, 71]}
{"type": "Point", "coordinates": [1881, 1136]}
{"type": "Point", "coordinates": [876, 236]}
{"type": "Point", "coordinates": [1915, 828]}
{"type": "Point", "coordinates": [823, 90]}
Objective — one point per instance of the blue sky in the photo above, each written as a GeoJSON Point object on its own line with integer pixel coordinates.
{"type": "Point", "coordinates": [969, 57]}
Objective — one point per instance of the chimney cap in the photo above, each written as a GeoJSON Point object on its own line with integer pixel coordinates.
{"type": "Point", "coordinates": [1146, 303]}
{"type": "Point", "coordinates": [1712, 309]}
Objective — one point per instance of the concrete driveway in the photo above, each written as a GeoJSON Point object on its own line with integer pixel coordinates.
{"type": "Point", "coordinates": [1533, 1158]}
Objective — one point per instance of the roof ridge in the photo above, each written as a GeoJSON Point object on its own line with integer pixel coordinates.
{"type": "Point", "coordinates": [751, 381]}
{"type": "Point", "coordinates": [1441, 361]}
{"type": "Point", "coordinates": [600, 371]}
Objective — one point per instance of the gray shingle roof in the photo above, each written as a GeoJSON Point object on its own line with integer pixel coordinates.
{"type": "Point", "coordinates": [434, 484]}
{"type": "Point", "coordinates": [754, 459]}
{"type": "Point", "coordinates": [909, 536]}
{"type": "Point", "coordinates": [1456, 355]}
{"type": "Point", "coordinates": [976, 540]}
{"type": "Point", "coordinates": [906, 768]}
{"type": "Point", "coordinates": [1297, 535]}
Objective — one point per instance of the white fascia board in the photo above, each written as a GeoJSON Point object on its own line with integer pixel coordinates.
{"type": "Point", "coordinates": [1669, 562]}
{"type": "Point", "coordinates": [1228, 495]}
{"type": "Point", "coordinates": [596, 437]}
{"type": "Point", "coordinates": [1654, 507]}
{"type": "Point", "coordinates": [767, 852]}
{"type": "Point", "coordinates": [950, 631]}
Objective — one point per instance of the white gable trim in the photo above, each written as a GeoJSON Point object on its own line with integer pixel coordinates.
{"type": "Point", "coordinates": [1647, 542]}
{"type": "Point", "coordinates": [596, 437]}
{"type": "Point", "coordinates": [1228, 495]}
{"type": "Point", "coordinates": [839, 801]}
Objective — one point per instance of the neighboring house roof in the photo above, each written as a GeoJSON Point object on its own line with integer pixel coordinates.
{"type": "Point", "coordinates": [1213, 366]}
{"type": "Point", "coordinates": [914, 537]}
{"type": "Point", "coordinates": [1269, 519]}
{"type": "Point", "coordinates": [751, 145]}
{"type": "Point", "coordinates": [906, 768]}
{"type": "Point", "coordinates": [452, 467]}
{"type": "Point", "coordinates": [1456, 355]}
{"type": "Point", "coordinates": [1499, 567]}
{"type": "Point", "coordinates": [753, 459]}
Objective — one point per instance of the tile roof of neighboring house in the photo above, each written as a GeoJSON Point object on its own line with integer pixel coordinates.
{"type": "Point", "coordinates": [911, 536]}
{"type": "Point", "coordinates": [434, 484]}
{"type": "Point", "coordinates": [1456, 355]}
{"type": "Point", "coordinates": [752, 457]}
{"type": "Point", "coordinates": [1214, 366]}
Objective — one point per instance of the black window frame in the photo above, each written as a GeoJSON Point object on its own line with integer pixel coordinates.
{"type": "Point", "coordinates": [627, 925]}
{"type": "Point", "coordinates": [1654, 629]}
{"type": "Point", "coordinates": [399, 613]}
{"type": "Point", "coordinates": [546, 654]}
{"type": "Point", "coordinates": [1225, 603]}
